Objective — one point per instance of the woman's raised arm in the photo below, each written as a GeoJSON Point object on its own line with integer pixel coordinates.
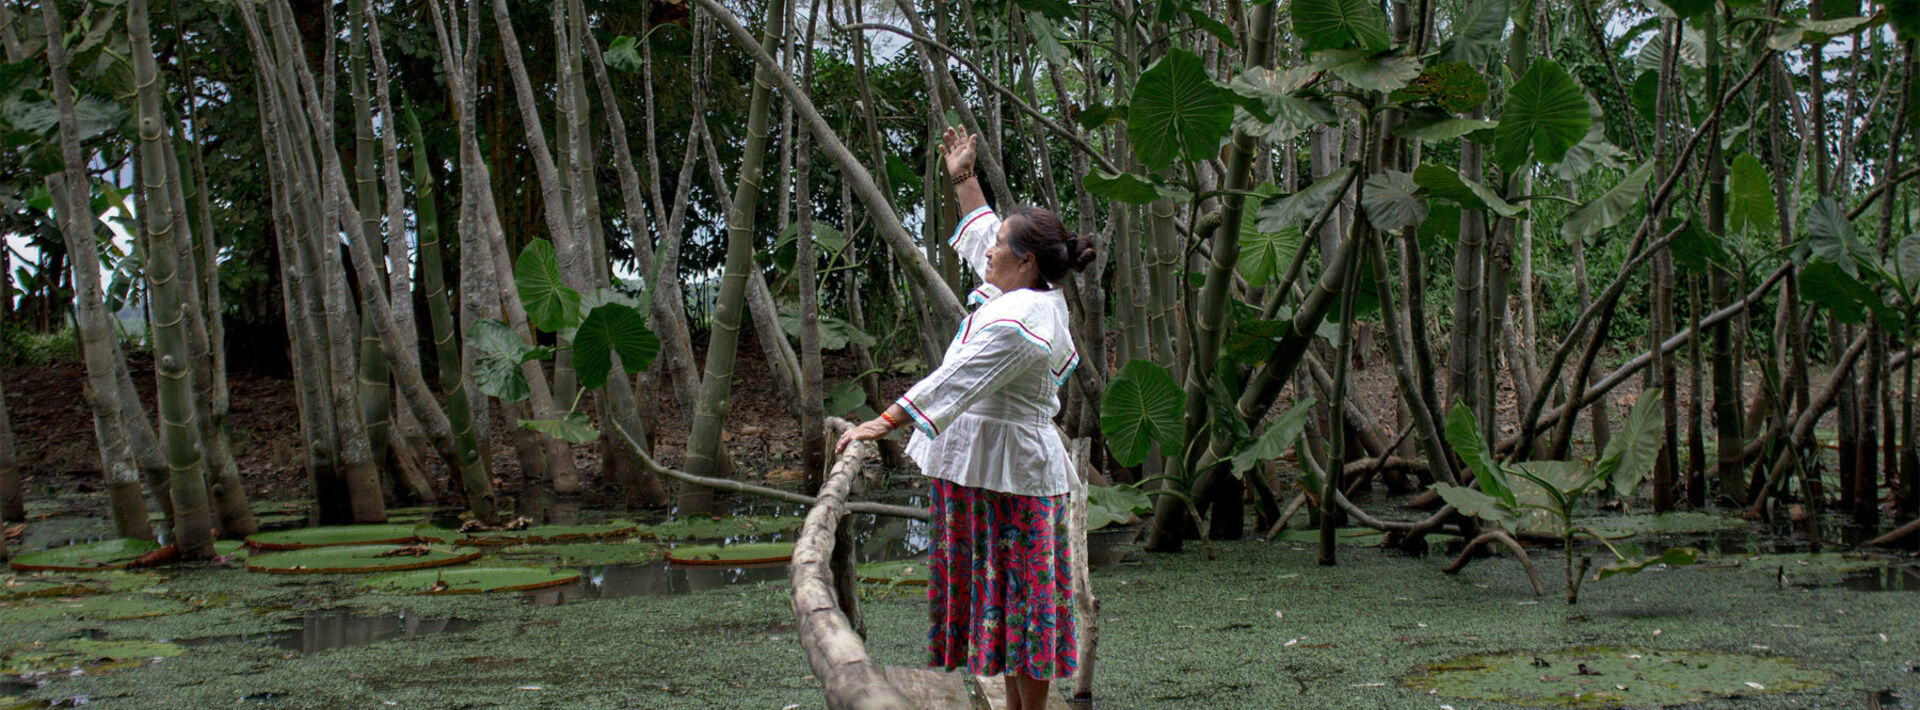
{"type": "Point", "coordinates": [957, 147]}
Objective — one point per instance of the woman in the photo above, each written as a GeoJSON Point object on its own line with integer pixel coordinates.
{"type": "Point", "coordinates": [1001, 594]}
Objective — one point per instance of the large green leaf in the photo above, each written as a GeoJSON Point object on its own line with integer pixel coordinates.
{"type": "Point", "coordinates": [1610, 207]}
{"type": "Point", "coordinates": [1675, 557]}
{"type": "Point", "coordinates": [1476, 33]}
{"type": "Point", "coordinates": [497, 370]}
{"type": "Point", "coordinates": [608, 329]}
{"type": "Point", "coordinates": [1107, 505]}
{"type": "Point", "coordinates": [1802, 31]}
{"type": "Point", "coordinates": [1750, 203]}
{"type": "Point", "coordinates": [473, 580]}
{"type": "Point", "coordinates": [1463, 434]}
{"type": "Point", "coordinates": [1142, 406]}
{"type": "Point", "coordinates": [102, 555]}
{"type": "Point", "coordinates": [1390, 201]}
{"type": "Point", "coordinates": [1823, 283]}
{"type": "Point", "coordinates": [1278, 92]}
{"type": "Point", "coordinates": [1697, 250]}
{"type": "Point", "coordinates": [1047, 39]}
{"type": "Point", "coordinates": [1632, 452]}
{"type": "Point", "coordinates": [550, 305]}
{"type": "Point", "coordinates": [1264, 254]}
{"type": "Point", "coordinates": [623, 53]}
{"type": "Point", "coordinates": [1476, 504]}
{"type": "Point", "coordinates": [1546, 114]}
{"type": "Point", "coordinates": [1338, 24]}
{"type": "Point", "coordinates": [1447, 184]}
{"type": "Point", "coordinates": [1440, 129]}
{"type": "Point", "coordinates": [1125, 187]}
{"type": "Point", "coordinates": [1369, 71]}
{"type": "Point", "coordinates": [1593, 152]}
{"type": "Point", "coordinates": [353, 559]}
{"type": "Point", "coordinates": [1280, 435]}
{"type": "Point", "coordinates": [1830, 236]}
{"type": "Point", "coordinates": [1177, 111]}
{"type": "Point", "coordinates": [1294, 210]}
{"type": "Point", "coordinates": [575, 428]}
{"type": "Point", "coordinates": [1907, 262]}
{"type": "Point", "coordinates": [751, 553]}
{"type": "Point", "coordinates": [336, 535]}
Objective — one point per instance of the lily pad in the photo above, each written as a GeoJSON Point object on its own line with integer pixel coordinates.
{"type": "Point", "coordinates": [751, 553]}
{"type": "Point", "coordinates": [897, 572]}
{"type": "Point", "coordinates": [1592, 677]}
{"type": "Point", "coordinates": [718, 528]}
{"type": "Point", "coordinates": [573, 554]}
{"type": "Point", "coordinates": [473, 580]}
{"type": "Point", "coordinates": [230, 549]}
{"type": "Point", "coordinates": [84, 656]}
{"type": "Point", "coordinates": [87, 557]}
{"type": "Point", "coordinates": [349, 559]}
{"type": "Point", "coordinates": [550, 533]}
{"type": "Point", "coordinates": [333, 535]}
{"type": "Point", "coordinates": [106, 607]}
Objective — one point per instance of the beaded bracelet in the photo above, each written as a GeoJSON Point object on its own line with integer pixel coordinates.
{"type": "Point", "coordinates": [891, 422]}
{"type": "Point", "coordinates": [962, 177]}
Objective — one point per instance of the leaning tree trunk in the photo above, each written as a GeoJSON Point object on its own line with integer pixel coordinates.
{"type": "Point", "coordinates": [70, 190]}
{"type": "Point", "coordinates": [193, 526]}
{"type": "Point", "coordinates": [813, 442]}
{"type": "Point", "coordinates": [710, 411]}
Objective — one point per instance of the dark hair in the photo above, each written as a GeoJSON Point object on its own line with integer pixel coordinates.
{"type": "Point", "coordinates": [1032, 230]}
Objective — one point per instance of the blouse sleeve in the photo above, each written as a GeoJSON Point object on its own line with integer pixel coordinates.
{"type": "Point", "coordinates": [993, 356]}
{"type": "Point", "coordinates": [978, 230]}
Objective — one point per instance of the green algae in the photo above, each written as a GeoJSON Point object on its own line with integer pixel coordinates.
{"type": "Point", "coordinates": [897, 572]}
{"type": "Point", "coordinates": [1810, 565]}
{"type": "Point", "coordinates": [1345, 536]}
{"type": "Point", "coordinates": [103, 607]}
{"type": "Point", "coordinates": [473, 580]}
{"type": "Point", "coordinates": [718, 528]}
{"type": "Point", "coordinates": [83, 655]}
{"type": "Point", "coordinates": [1679, 523]}
{"type": "Point", "coordinates": [1595, 677]}
{"type": "Point", "coordinates": [580, 554]}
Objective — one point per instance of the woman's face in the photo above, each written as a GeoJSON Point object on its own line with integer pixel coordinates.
{"type": "Point", "coordinates": [1005, 270]}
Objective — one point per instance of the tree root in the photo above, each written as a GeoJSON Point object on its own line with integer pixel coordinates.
{"type": "Point", "coordinates": [1500, 536]}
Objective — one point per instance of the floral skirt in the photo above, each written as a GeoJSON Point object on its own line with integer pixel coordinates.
{"type": "Point", "coordinates": [1001, 594]}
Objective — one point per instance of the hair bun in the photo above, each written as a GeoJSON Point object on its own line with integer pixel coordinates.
{"type": "Point", "coordinates": [1079, 252]}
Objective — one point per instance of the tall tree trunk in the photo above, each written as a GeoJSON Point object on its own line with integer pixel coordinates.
{"type": "Point", "coordinates": [193, 525]}
{"type": "Point", "coordinates": [70, 189]}
{"type": "Point", "coordinates": [716, 386]}
{"type": "Point", "coordinates": [813, 438]}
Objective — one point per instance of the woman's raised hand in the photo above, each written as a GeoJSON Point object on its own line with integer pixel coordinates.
{"type": "Point", "coordinates": [957, 147]}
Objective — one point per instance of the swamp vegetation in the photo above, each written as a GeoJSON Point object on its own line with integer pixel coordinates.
{"type": "Point", "coordinates": [1572, 341]}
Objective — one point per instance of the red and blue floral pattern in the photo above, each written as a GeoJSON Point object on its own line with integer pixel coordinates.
{"type": "Point", "coordinates": [1001, 598]}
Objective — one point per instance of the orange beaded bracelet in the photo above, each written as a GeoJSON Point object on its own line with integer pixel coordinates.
{"type": "Point", "coordinates": [891, 422]}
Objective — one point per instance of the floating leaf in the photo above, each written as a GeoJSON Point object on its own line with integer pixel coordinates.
{"type": "Point", "coordinates": [550, 534]}
{"type": "Point", "coordinates": [83, 656]}
{"type": "Point", "coordinates": [106, 607]}
{"type": "Point", "coordinates": [751, 553]}
{"type": "Point", "coordinates": [353, 559]}
{"type": "Point", "coordinates": [1142, 406]}
{"type": "Point", "coordinates": [1177, 111]}
{"type": "Point", "coordinates": [335, 535]}
{"type": "Point", "coordinates": [1546, 114]}
{"type": "Point", "coordinates": [103, 555]}
{"type": "Point", "coordinates": [473, 580]}
{"type": "Point", "coordinates": [898, 572]}
{"type": "Point", "coordinates": [1673, 558]}
{"type": "Point", "coordinates": [710, 527]}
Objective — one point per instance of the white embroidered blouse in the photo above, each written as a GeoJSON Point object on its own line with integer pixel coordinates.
{"type": "Point", "coordinates": [984, 418]}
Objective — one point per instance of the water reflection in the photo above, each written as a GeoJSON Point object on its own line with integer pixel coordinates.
{"type": "Point", "coordinates": [325, 631]}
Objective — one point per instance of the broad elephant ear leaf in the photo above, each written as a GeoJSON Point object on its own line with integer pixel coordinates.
{"type": "Point", "coordinates": [1476, 36]}
{"type": "Point", "coordinates": [496, 371]}
{"type": "Point", "coordinates": [1294, 210]}
{"type": "Point", "coordinates": [551, 306]}
{"type": "Point", "coordinates": [1674, 557]}
{"type": "Point", "coordinates": [1280, 435]}
{"type": "Point", "coordinates": [1630, 454]}
{"type": "Point", "coordinates": [1750, 203]}
{"type": "Point", "coordinates": [1177, 111]}
{"type": "Point", "coordinates": [1339, 24]}
{"type": "Point", "coordinates": [1463, 434]}
{"type": "Point", "coordinates": [1143, 406]}
{"type": "Point", "coordinates": [1546, 115]}
{"type": "Point", "coordinates": [1479, 505]}
{"type": "Point", "coordinates": [576, 428]}
{"type": "Point", "coordinates": [1610, 207]}
{"type": "Point", "coordinates": [1831, 237]}
{"type": "Point", "coordinates": [1390, 201]}
{"type": "Point", "coordinates": [612, 328]}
